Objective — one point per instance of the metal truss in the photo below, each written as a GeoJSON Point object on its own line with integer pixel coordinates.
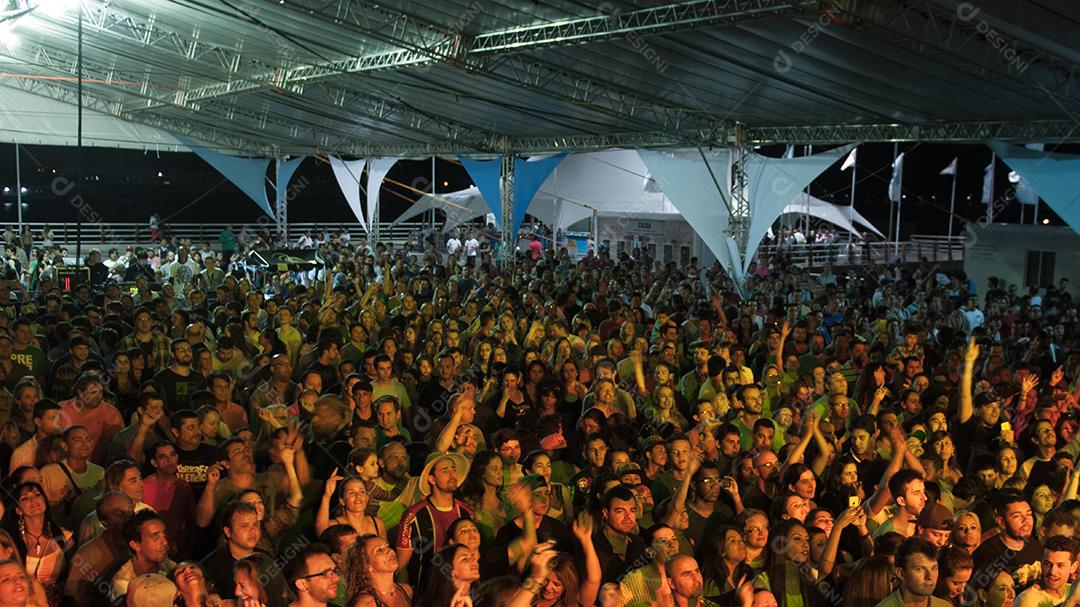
{"type": "Point", "coordinates": [951, 132]}
{"type": "Point", "coordinates": [610, 24]}
{"type": "Point", "coordinates": [421, 44]}
{"type": "Point", "coordinates": [964, 35]}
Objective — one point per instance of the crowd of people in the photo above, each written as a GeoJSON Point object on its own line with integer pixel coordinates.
{"type": "Point", "coordinates": [435, 430]}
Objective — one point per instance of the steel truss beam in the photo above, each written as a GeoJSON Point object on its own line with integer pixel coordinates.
{"type": "Point", "coordinates": [962, 33]}
{"type": "Point", "coordinates": [421, 44]}
{"type": "Point", "coordinates": [951, 132]}
{"type": "Point", "coordinates": [610, 24]}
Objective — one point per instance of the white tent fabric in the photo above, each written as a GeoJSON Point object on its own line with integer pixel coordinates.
{"type": "Point", "coordinates": [827, 211]}
{"type": "Point", "coordinates": [377, 171]}
{"type": "Point", "coordinates": [31, 119]}
{"type": "Point", "coordinates": [692, 185]}
{"type": "Point", "coordinates": [347, 173]}
{"type": "Point", "coordinates": [772, 182]}
{"type": "Point", "coordinates": [460, 206]}
{"type": "Point", "coordinates": [609, 181]}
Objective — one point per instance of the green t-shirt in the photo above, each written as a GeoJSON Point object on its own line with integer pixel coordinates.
{"type": "Point", "coordinates": [31, 358]}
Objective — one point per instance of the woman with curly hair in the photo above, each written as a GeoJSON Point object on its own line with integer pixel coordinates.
{"type": "Point", "coordinates": [370, 570]}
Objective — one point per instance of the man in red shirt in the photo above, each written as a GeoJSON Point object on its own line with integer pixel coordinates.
{"type": "Point", "coordinates": [424, 526]}
{"type": "Point", "coordinates": [89, 409]}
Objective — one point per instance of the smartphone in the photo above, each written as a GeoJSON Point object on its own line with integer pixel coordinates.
{"type": "Point", "coordinates": [1006, 426]}
{"type": "Point", "coordinates": [853, 501]}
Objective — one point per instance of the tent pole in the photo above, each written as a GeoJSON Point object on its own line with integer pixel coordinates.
{"type": "Point", "coordinates": [1022, 205]}
{"type": "Point", "coordinates": [1036, 222]}
{"type": "Point", "coordinates": [851, 206]}
{"type": "Point", "coordinates": [18, 187]}
{"type": "Point", "coordinates": [432, 190]}
{"type": "Point", "coordinates": [952, 208]}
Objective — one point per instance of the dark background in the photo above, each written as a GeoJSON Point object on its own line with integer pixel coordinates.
{"type": "Point", "coordinates": [128, 185]}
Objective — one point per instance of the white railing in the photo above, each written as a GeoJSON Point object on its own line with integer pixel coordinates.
{"type": "Point", "coordinates": [929, 247]}
{"type": "Point", "coordinates": [121, 235]}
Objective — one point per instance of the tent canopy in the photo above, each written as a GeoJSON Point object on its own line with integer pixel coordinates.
{"type": "Point", "coordinates": [832, 213]}
{"type": "Point", "coordinates": [416, 77]}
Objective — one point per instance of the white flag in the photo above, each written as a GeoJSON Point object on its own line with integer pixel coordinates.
{"type": "Point", "coordinates": [988, 182]}
{"type": "Point", "coordinates": [951, 169]}
{"type": "Point", "coordinates": [850, 160]}
{"type": "Point", "coordinates": [895, 184]}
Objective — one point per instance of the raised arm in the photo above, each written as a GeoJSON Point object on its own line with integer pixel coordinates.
{"type": "Point", "coordinates": [445, 442]}
{"type": "Point", "coordinates": [971, 354]}
{"type": "Point", "coordinates": [828, 557]}
{"type": "Point", "coordinates": [881, 496]}
{"type": "Point", "coordinates": [796, 455]}
{"type": "Point", "coordinates": [204, 511]}
{"type": "Point", "coordinates": [521, 497]}
{"type": "Point", "coordinates": [785, 330]}
{"type": "Point", "coordinates": [678, 501]}
{"type": "Point", "coordinates": [322, 515]}
{"type": "Point", "coordinates": [825, 451]}
{"type": "Point", "coordinates": [136, 450]}
{"type": "Point", "coordinates": [589, 586]}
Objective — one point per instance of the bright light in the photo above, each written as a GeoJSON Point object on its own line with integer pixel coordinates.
{"type": "Point", "coordinates": [1046, 222]}
{"type": "Point", "coordinates": [23, 189]}
{"type": "Point", "coordinates": [7, 190]}
{"type": "Point", "coordinates": [8, 37]}
{"type": "Point", "coordinates": [55, 8]}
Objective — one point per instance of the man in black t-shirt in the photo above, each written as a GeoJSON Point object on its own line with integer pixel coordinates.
{"type": "Point", "coordinates": [1013, 549]}
{"type": "Point", "coordinates": [194, 457]}
{"type": "Point", "coordinates": [179, 381]}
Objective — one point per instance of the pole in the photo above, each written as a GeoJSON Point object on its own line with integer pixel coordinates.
{"type": "Point", "coordinates": [1036, 222]}
{"type": "Point", "coordinates": [1022, 205]}
{"type": "Point", "coordinates": [432, 190]}
{"type": "Point", "coordinates": [18, 187]}
{"type": "Point", "coordinates": [990, 202]}
{"type": "Point", "coordinates": [899, 204]}
{"type": "Point", "coordinates": [851, 205]}
{"type": "Point", "coordinates": [952, 208]}
{"type": "Point", "coordinates": [78, 160]}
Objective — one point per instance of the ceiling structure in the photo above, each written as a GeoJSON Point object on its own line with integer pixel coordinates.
{"type": "Point", "coordinates": [421, 77]}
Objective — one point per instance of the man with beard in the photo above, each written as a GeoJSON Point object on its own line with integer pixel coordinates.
{"type": "Point", "coordinates": [172, 497]}
{"type": "Point", "coordinates": [909, 493]}
{"type": "Point", "coordinates": [394, 473]}
{"type": "Point", "coordinates": [1058, 566]}
{"type": "Point", "coordinates": [313, 576]}
{"type": "Point", "coordinates": [684, 582]}
{"type": "Point", "coordinates": [1013, 548]}
{"type": "Point", "coordinates": [424, 526]}
{"type": "Point", "coordinates": [917, 569]}
{"type": "Point", "coordinates": [178, 382]}
{"type": "Point", "coordinates": [706, 510]}
{"type": "Point", "coordinates": [749, 400]}
{"type": "Point", "coordinates": [194, 457]}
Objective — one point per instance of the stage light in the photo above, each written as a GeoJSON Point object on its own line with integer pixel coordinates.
{"type": "Point", "coordinates": [7, 190]}
{"type": "Point", "coordinates": [23, 189]}
{"type": "Point", "coordinates": [1046, 222]}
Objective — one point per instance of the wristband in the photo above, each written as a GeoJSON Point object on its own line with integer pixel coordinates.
{"type": "Point", "coordinates": [532, 585]}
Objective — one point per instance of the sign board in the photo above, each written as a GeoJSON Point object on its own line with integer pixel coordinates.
{"type": "Point", "coordinates": [638, 227]}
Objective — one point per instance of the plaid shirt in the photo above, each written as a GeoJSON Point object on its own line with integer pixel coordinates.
{"type": "Point", "coordinates": [160, 353]}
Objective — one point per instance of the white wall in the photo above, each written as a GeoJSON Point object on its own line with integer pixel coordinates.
{"type": "Point", "coordinates": [1001, 250]}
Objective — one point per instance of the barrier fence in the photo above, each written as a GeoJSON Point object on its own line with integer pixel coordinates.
{"type": "Point", "coordinates": [101, 235]}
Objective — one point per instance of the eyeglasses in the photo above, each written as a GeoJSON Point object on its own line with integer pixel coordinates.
{"type": "Point", "coordinates": [331, 571]}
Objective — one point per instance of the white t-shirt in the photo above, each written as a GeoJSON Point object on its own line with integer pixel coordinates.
{"type": "Point", "coordinates": [453, 245]}
{"type": "Point", "coordinates": [471, 246]}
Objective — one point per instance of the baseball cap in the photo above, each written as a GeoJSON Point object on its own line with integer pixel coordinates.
{"type": "Point", "coordinates": [935, 516]}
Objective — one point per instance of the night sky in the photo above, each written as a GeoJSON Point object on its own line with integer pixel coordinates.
{"type": "Point", "coordinates": [125, 186]}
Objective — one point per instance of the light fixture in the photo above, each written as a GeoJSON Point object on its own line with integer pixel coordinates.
{"type": "Point", "coordinates": [7, 189]}
{"type": "Point", "coordinates": [23, 189]}
{"type": "Point", "coordinates": [1046, 222]}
